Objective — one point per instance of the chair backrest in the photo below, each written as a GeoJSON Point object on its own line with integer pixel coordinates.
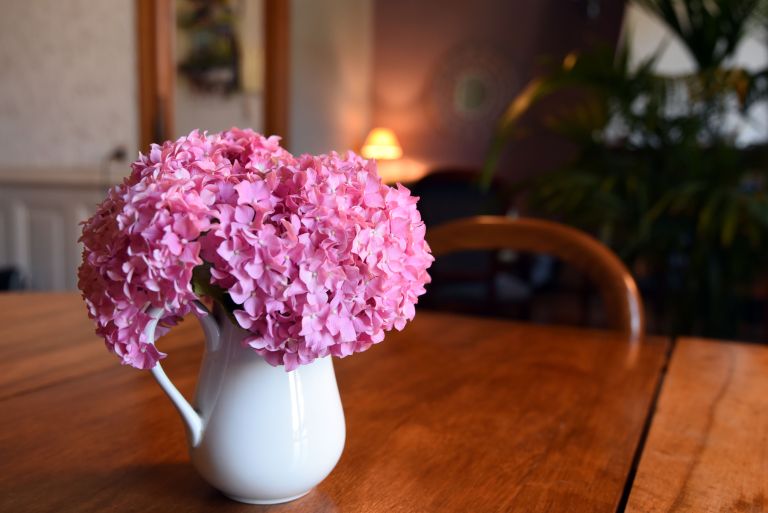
{"type": "Point", "coordinates": [618, 290]}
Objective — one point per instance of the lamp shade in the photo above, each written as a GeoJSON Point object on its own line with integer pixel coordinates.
{"type": "Point", "coordinates": [381, 144]}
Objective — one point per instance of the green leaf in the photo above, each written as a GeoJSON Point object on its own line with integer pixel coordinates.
{"type": "Point", "coordinates": [202, 287]}
{"type": "Point", "coordinates": [730, 222]}
{"type": "Point", "coordinates": [707, 214]}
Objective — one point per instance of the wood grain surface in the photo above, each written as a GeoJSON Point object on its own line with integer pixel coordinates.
{"type": "Point", "coordinates": [452, 414]}
{"type": "Point", "coordinates": [707, 450]}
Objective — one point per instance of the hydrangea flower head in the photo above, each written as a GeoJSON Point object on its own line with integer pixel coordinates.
{"type": "Point", "coordinates": [313, 255]}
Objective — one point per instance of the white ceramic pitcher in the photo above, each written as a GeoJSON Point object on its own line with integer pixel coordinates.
{"type": "Point", "coordinates": [259, 434]}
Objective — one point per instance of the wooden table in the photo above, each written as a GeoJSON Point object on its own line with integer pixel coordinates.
{"type": "Point", "coordinates": [707, 450]}
{"type": "Point", "coordinates": [452, 414]}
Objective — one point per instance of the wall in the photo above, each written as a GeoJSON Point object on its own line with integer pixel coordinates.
{"type": "Point", "coordinates": [427, 55]}
{"type": "Point", "coordinates": [68, 82]}
{"type": "Point", "coordinates": [68, 92]}
{"type": "Point", "coordinates": [330, 74]}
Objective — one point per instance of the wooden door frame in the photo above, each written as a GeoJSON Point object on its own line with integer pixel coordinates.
{"type": "Point", "coordinates": [155, 21]}
{"type": "Point", "coordinates": [277, 17]}
{"type": "Point", "coordinates": [155, 70]}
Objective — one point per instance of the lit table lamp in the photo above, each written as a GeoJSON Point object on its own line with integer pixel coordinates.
{"type": "Point", "coordinates": [383, 146]}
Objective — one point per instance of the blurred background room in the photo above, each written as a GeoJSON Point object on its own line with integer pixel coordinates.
{"type": "Point", "coordinates": [641, 123]}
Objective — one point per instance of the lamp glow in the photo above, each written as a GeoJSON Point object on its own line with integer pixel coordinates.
{"type": "Point", "coordinates": [381, 144]}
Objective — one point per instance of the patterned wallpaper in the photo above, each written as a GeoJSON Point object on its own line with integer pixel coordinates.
{"type": "Point", "coordinates": [68, 92]}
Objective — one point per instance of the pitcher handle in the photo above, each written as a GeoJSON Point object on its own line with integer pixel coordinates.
{"type": "Point", "coordinates": [191, 418]}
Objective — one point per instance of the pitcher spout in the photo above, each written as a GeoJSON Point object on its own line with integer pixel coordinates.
{"type": "Point", "coordinates": [210, 320]}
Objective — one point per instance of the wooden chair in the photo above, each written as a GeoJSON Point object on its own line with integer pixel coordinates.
{"type": "Point", "coordinates": [621, 299]}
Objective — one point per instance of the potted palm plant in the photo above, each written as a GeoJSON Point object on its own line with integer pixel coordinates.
{"type": "Point", "coordinates": [657, 172]}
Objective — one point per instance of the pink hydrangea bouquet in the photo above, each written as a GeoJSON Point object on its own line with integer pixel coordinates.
{"type": "Point", "coordinates": [312, 255]}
